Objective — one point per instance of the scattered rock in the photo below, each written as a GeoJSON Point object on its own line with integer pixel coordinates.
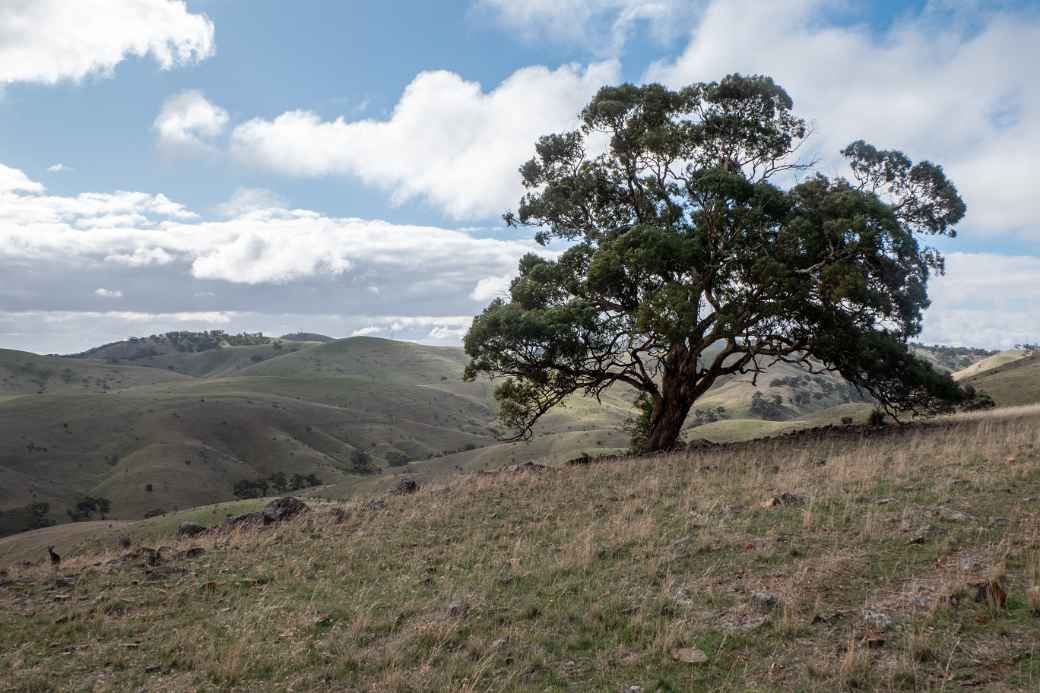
{"type": "Point", "coordinates": [526, 467]}
{"type": "Point", "coordinates": [498, 644]}
{"type": "Point", "coordinates": [951, 515]}
{"type": "Point", "coordinates": [689, 655]}
{"type": "Point", "coordinates": [995, 521]}
{"type": "Point", "coordinates": [405, 487]}
{"type": "Point", "coordinates": [124, 541]}
{"type": "Point", "coordinates": [340, 514]}
{"type": "Point", "coordinates": [281, 509]}
{"type": "Point", "coordinates": [458, 609]}
{"type": "Point", "coordinates": [190, 529]}
{"type": "Point", "coordinates": [885, 501]}
{"type": "Point", "coordinates": [193, 552]}
{"type": "Point", "coordinates": [785, 500]}
{"type": "Point", "coordinates": [920, 600]}
{"type": "Point", "coordinates": [926, 533]}
{"type": "Point", "coordinates": [874, 639]}
{"type": "Point", "coordinates": [376, 504]}
{"type": "Point", "coordinates": [765, 601]}
{"type": "Point", "coordinates": [245, 520]}
{"type": "Point", "coordinates": [877, 619]}
{"type": "Point", "coordinates": [634, 689]}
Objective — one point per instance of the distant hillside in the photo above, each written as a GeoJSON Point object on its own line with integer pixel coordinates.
{"type": "Point", "coordinates": [22, 373]}
{"type": "Point", "coordinates": [1015, 382]}
{"type": "Point", "coordinates": [950, 359]}
{"type": "Point", "coordinates": [995, 361]}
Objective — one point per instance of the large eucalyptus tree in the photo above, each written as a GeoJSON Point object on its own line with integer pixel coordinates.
{"type": "Point", "coordinates": [701, 246]}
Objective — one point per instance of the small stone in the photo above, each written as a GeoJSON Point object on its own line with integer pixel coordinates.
{"type": "Point", "coordinates": [765, 601]}
{"type": "Point", "coordinates": [406, 487]}
{"type": "Point", "coordinates": [785, 500]}
{"type": "Point", "coordinates": [689, 655]}
{"type": "Point", "coordinates": [498, 644]}
{"type": "Point", "coordinates": [951, 515]}
{"type": "Point", "coordinates": [634, 689]}
{"type": "Point", "coordinates": [457, 609]}
{"type": "Point", "coordinates": [885, 501]}
{"type": "Point", "coordinates": [190, 529]}
{"type": "Point", "coordinates": [877, 619]}
{"type": "Point", "coordinates": [376, 504]}
{"type": "Point", "coordinates": [995, 521]}
{"type": "Point", "coordinates": [919, 600]}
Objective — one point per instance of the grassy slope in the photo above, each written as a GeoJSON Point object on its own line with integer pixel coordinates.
{"type": "Point", "coordinates": [989, 363]}
{"type": "Point", "coordinates": [583, 578]}
{"type": "Point", "coordinates": [22, 373]}
{"type": "Point", "coordinates": [1014, 383]}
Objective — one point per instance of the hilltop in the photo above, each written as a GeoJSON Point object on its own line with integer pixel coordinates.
{"type": "Point", "coordinates": [844, 559]}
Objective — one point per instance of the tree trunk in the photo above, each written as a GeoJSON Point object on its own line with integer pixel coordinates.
{"type": "Point", "coordinates": [669, 412]}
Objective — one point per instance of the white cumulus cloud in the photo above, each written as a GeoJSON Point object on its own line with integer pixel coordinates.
{"type": "Point", "coordinates": [447, 142]}
{"type": "Point", "coordinates": [188, 123]}
{"type": "Point", "coordinates": [47, 41]}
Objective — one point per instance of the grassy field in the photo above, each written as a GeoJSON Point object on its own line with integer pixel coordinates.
{"type": "Point", "coordinates": [836, 560]}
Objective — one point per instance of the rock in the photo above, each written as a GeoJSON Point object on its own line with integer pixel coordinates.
{"type": "Point", "coordinates": [885, 501]}
{"type": "Point", "coordinates": [245, 520]}
{"type": "Point", "coordinates": [926, 533]}
{"type": "Point", "coordinates": [498, 644]}
{"type": "Point", "coordinates": [995, 521]}
{"type": "Point", "coordinates": [765, 601]}
{"type": "Point", "coordinates": [281, 509]}
{"type": "Point", "coordinates": [526, 467]}
{"type": "Point", "coordinates": [951, 515]}
{"type": "Point", "coordinates": [877, 619]}
{"type": "Point", "coordinates": [634, 689]}
{"type": "Point", "coordinates": [193, 552]}
{"type": "Point", "coordinates": [376, 504]}
{"type": "Point", "coordinates": [458, 609]}
{"type": "Point", "coordinates": [405, 487]}
{"type": "Point", "coordinates": [689, 655]}
{"type": "Point", "coordinates": [785, 500]}
{"type": "Point", "coordinates": [190, 529]}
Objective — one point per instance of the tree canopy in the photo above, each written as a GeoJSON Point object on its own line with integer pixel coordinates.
{"type": "Point", "coordinates": [699, 245]}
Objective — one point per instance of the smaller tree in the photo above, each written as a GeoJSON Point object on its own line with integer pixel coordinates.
{"type": "Point", "coordinates": [361, 462]}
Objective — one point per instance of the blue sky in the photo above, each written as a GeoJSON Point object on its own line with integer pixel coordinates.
{"type": "Point", "coordinates": [341, 167]}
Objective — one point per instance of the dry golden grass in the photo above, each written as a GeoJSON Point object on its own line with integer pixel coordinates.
{"type": "Point", "coordinates": [588, 578]}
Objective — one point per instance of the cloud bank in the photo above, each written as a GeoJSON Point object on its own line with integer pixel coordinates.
{"type": "Point", "coordinates": [49, 41]}
{"type": "Point", "coordinates": [447, 142]}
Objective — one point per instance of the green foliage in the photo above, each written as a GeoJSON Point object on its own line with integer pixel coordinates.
{"type": "Point", "coordinates": [361, 462]}
{"type": "Point", "coordinates": [88, 506]}
{"type": "Point", "coordinates": [682, 241]}
{"type": "Point", "coordinates": [396, 459]}
{"type": "Point", "coordinates": [276, 483]}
